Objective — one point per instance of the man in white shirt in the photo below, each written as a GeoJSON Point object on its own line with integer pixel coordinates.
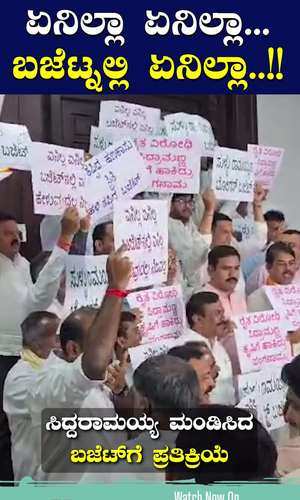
{"type": "Point", "coordinates": [88, 351]}
{"type": "Point", "coordinates": [19, 297]}
{"type": "Point", "coordinates": [39, 339]}
{"type": "Point", "coordinates": [205, 315]}
{"type": "Point", "coordinates": [222, 234]}
{"type": "Point", "coordinates": [190, 242]}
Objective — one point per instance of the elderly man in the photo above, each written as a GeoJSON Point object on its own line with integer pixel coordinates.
{"type": "Point", "coordinates": [19, 297]}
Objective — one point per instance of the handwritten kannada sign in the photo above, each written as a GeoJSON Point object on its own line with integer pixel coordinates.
{"type": "Point", "coordinates": [116, 174]}
{"type": "Point", "coordinates": [86, 281]}
{"type": "Point", "coordinates": [131, 118]}
{"type": "Point", "coordinates": [173, 164]}
{"type": "Point", "coordinates": [58, 179]}
{"type": "Point", "coordinates": [163, 313]}
{"type": "Point", "coordinates": [233, 174]}
{"type": "Point", "coordinates": [15, 146]}
{"type": "Point", "coordinates": [286, 298]}
{"type": "Point", "coordinates": [162, 129]}
{"type": "Point", "coordinates": [101, 138]}
{"type": "Point", "coordinates": [245, 227]}
{"type": "Point", "coordinates": [262, 340]}
{"type": "Point", "coordinates": [268, 161]}
{"type": "Point", "coordinates": [186, 125]}
{"type": "Point", "coordinates": [263, 393]}
{"type": "Point", "coordinates": [142, 225]}
{"type": "Point", "coordinates": [145, 351]}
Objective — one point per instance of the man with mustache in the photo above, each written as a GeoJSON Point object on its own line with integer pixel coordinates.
{"type": "Point", "coordinates": [201, 361]}
{"type": "Point", "coordinates": [224, 271]}
{"type": "Point", "coordinates": [205, 315]}
{"type": "Point", "coordinates": [260, 276]}
{"type": "Point", "coordinates": [223, 234]}
{"type": "Point", "coordinates": [281, 267]}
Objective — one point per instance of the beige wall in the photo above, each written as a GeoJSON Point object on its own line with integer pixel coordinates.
{"type": "Point", "coordinates": [279, 125]}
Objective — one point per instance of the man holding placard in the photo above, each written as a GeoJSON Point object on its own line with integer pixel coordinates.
{"type": "Point", "coordinates": [190, 242]}
{"type": "Point", "coordinates": [222, 234]}
{"type": "Point", "coordinates": [281, 266]}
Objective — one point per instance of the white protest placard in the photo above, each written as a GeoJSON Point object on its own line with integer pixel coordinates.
{"type": "Point", "coordinates": [268, 161]}
{"type": "Point", "coordinates": [264, 394]}
{"type": "Point", "coordinates": [261, 339]}
{"type": "Point", "coordinates": [248, 393]}
{"type": "Point", "coordinates": [173, 164]}
{"type": "Point", "coordinates": [163, 313]}
{"type": "Point", "coordinates": [15, 144]}
{"type": "Point", "coordinates": [162, 129]}
{"type": "Point", "coordinates": [233, 174]}
{"type": "Point", "coordinates": [101, 138]}
{"type": "Point", "coordinates": [58, 178]}
{"type": "Point", "coordinates": [142, 225]}
{"type": "Point", "coordinates": [86, 281]}
{"type": "Point", "coordinates": [244, 226]}
{"type": "Point", "coordinates": [286, 298]}
{"type": "Point", "coordinates": [118, 173]}
{"type": "Point", "coordinates": [145, 351]}
{"type": "Point", "coordinates": [186, 125]}
{"type": "Point", "coordinates": [131, 118]}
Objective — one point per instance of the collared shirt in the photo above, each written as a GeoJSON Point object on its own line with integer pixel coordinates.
{"type": "Point", "coordinates": [19, 296]}
{"type": "Point", "coordinates": [224, 390]}
{"type": "Point", "coordinates": [233, 304]}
